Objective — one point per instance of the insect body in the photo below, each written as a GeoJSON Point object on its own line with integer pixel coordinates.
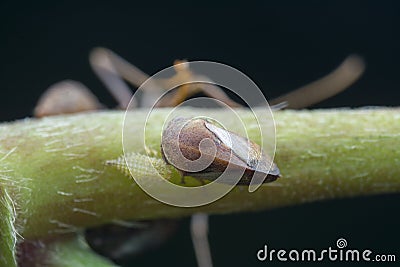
{"type": "Point", "coordinates": [183, 137]}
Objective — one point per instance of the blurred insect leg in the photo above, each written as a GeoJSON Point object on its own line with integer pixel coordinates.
{"type": "Point", "coordinates": [128, 71]}
{"type": "Point", "coordinates": [338, 80]}
{"type": "Point", "coordinates": [196, 85]}
{"type": "Point", "coordinates": [193, 84]}
{"type": "Point", "coordinates": [216, 92]}
{"type": "Point", "coordinates": [109, 69]}
{"type": "Point", "coordinates": [199, 231]}
{"type": "Point", "coordinates": [181, 95]}
{"type": "Point", "coordinates": [182, 81]}
{"type": "Point", "coordinates": [279, 106]}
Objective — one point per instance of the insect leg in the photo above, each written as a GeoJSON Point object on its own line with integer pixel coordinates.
{"type": "Point", "coordinates": [193, 84]}
{"type": "Point", "coordinates": [199, 231]}
{"type": "Point", "coordinates": [338, 80]}
{"type": "Point", "coordinates": [110, 68]}
{"type": "Point", "coordinates": [216, 92]}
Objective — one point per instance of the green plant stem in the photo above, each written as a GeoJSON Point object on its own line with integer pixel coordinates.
{"type": "Point", "coordinates": [55, 169]}
{"type": "Point", "coordinates": [8, 236]}
{"type": "Point", "coordinates": [74, 252]}
{"type": "Point", "coordinates": [65, 251]}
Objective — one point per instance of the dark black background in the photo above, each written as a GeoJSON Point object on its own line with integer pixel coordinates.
{"type": "Point", "coordinates": [279, 45]}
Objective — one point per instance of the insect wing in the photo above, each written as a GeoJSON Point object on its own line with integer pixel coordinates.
{"type": "Point", "coordinates": [247, 151]}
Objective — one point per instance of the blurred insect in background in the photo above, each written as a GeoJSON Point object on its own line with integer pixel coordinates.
{"type": "Point", "coordinates": [123, 240]}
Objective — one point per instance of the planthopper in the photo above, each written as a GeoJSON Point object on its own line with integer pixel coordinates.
{"type": "Point", "coordinates": [184, 137]}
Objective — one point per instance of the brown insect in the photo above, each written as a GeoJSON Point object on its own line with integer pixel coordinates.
{"type": "Point", "coordinates": [244, 157]}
